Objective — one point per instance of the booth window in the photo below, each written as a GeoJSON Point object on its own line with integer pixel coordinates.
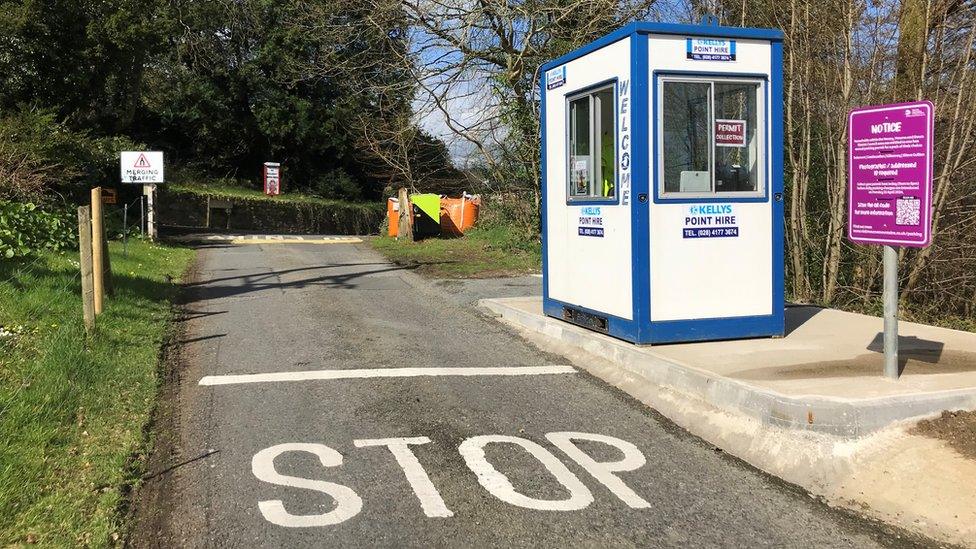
{"type": "Point", "coordinates": [592, 145]}
{"type": "Point", "coordinates": [710, 138]}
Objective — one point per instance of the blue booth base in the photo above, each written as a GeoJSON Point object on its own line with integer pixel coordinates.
{"type": "Point", "coordinates": [678, 331]}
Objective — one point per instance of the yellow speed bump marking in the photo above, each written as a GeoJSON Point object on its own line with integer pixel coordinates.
{"type": "Point", "coordinates": [294, 240]}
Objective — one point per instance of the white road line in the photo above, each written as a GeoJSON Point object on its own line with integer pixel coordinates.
{"type": "Point", "coordinates": [373, 373]}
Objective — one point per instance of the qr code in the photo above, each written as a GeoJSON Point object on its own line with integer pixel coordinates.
{"type": "Point", "coordinates": [907, 210]}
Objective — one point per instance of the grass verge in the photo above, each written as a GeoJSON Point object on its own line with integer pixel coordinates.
{"type": "Point", "coordinates": [73, 407]}
{"type": "Point", "coordinates": [483, 252]}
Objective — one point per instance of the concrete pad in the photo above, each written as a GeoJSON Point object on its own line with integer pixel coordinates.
{"type": "Point", "coordinates": [824, 376]}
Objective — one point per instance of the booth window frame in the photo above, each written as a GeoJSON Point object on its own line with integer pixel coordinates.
{"type": "Point", "coordinates": [762, 106]}
{"type": "Point", "coordinates": [591, 91]}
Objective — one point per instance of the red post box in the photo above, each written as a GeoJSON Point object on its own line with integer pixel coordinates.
{"type": "Point", "coordinates": [272, 178]}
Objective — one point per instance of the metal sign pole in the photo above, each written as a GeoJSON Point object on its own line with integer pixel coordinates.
{"type": "Point", "coordinates": [125, 230]}
{"type": "Point", "coordinates": [149, 190]}
{"type": "Point", "coordinates": [891, 312]}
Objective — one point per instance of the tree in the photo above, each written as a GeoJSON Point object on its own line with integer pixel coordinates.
{"type": "Point", "coordinates": [845, 53]}
{"type": "Point", "coordinates": [221, 86]}
{"type": "Point", "coordinates": [484, 57]}
{"type": "Point", "coordinates": [377, 66]}
{"type": "Point", "coordinates": [81, 59]}
{"type": "Point", "coordinates": [229, 96]}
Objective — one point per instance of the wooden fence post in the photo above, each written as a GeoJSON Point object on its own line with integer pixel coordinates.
{"type": "Point", "coordinates": [404, 227]}
{"type": "Point", "coordinates": [98, 265]}
{"type": "Point", "coordinates": [87, 278]}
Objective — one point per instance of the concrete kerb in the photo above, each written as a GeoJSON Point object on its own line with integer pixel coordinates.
{"type": "Point", "coordinates": [848, 418]}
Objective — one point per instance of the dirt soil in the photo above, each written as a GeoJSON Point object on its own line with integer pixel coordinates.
{"type": "Point", "coordinates": [152, 497]}
{"type": "Point", "coordinates": [957, 429]}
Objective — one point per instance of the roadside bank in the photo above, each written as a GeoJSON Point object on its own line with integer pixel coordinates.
{"type": "Point", "coordinates": [82, 402]}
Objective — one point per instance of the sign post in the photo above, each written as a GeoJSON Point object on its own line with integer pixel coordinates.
{"type": "Point", "coordinates": [150, 193]}
{"type": "Point", "coordinates": [145, 168]}
{"type": "Point", "coordinates": [272, 178]}
{"type": "Point", "coordinates": [890, 299]}
{"type": "Point", "coordinates": [890, 193]}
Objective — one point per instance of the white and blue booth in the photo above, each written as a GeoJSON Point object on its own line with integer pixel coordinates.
{"type": "Point", "coordinates": [662, 171]}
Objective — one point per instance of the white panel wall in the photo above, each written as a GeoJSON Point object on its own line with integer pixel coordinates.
{"type": "Point", "coordinates": [693, 278]}
{"type": "Point", "coordinates": [591, 272]}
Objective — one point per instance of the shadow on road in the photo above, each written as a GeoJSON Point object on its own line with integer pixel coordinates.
{"type": "Point", "coordinates": [195, 340]}
{"type": "Point", "coordinates": [207, 290]}
{"type": "Point", "coordinates": [262, 276]}
{"type": "Point", "coordinates": [175, 466]}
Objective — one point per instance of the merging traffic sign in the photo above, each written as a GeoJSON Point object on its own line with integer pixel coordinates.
{"type": "Point", "coordinates": [142, 167]}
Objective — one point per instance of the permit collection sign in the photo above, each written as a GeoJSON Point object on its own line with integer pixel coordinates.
{"type": "Point", "coordinates": [730, 133]}
{"type": "Point", "coordinates": [142, 167]}
{"type": "Point", "coordinates": [890, 174]}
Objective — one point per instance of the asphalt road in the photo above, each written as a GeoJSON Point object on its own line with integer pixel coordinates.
{"type": "Point", "coordinates": [305, 462]}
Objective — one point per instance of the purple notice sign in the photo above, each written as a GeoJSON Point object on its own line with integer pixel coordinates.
{"type": "Point", "coordinates": [889, 199]}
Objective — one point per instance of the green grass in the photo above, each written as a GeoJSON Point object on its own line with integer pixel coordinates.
{"type": "Point", "coordinates": [73, 408]}
{"type": "Point", "coordinates": [223, 190]}
{"type": "Point", "coordinates": [483, 252]}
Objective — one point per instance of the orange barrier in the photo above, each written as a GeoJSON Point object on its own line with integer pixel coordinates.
{"type": "Point", "coordinates": [393, 214]}
{"type": "Point", "coordinates": [459, 214]}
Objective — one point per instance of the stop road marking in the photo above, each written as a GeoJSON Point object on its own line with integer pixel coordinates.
{"type": "Point", "coordinates": [473, 452]}
{"type": "Point", "coordinates": [430, 498]}
{"type": "Point", "coordinates": [348, 503]}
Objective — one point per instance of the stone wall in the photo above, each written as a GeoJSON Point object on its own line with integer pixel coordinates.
{"type": "Point", "coordinates": [189, 210]}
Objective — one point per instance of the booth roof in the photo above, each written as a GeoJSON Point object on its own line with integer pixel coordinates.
{"type": "Point", "coordinates": [646, 27]}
